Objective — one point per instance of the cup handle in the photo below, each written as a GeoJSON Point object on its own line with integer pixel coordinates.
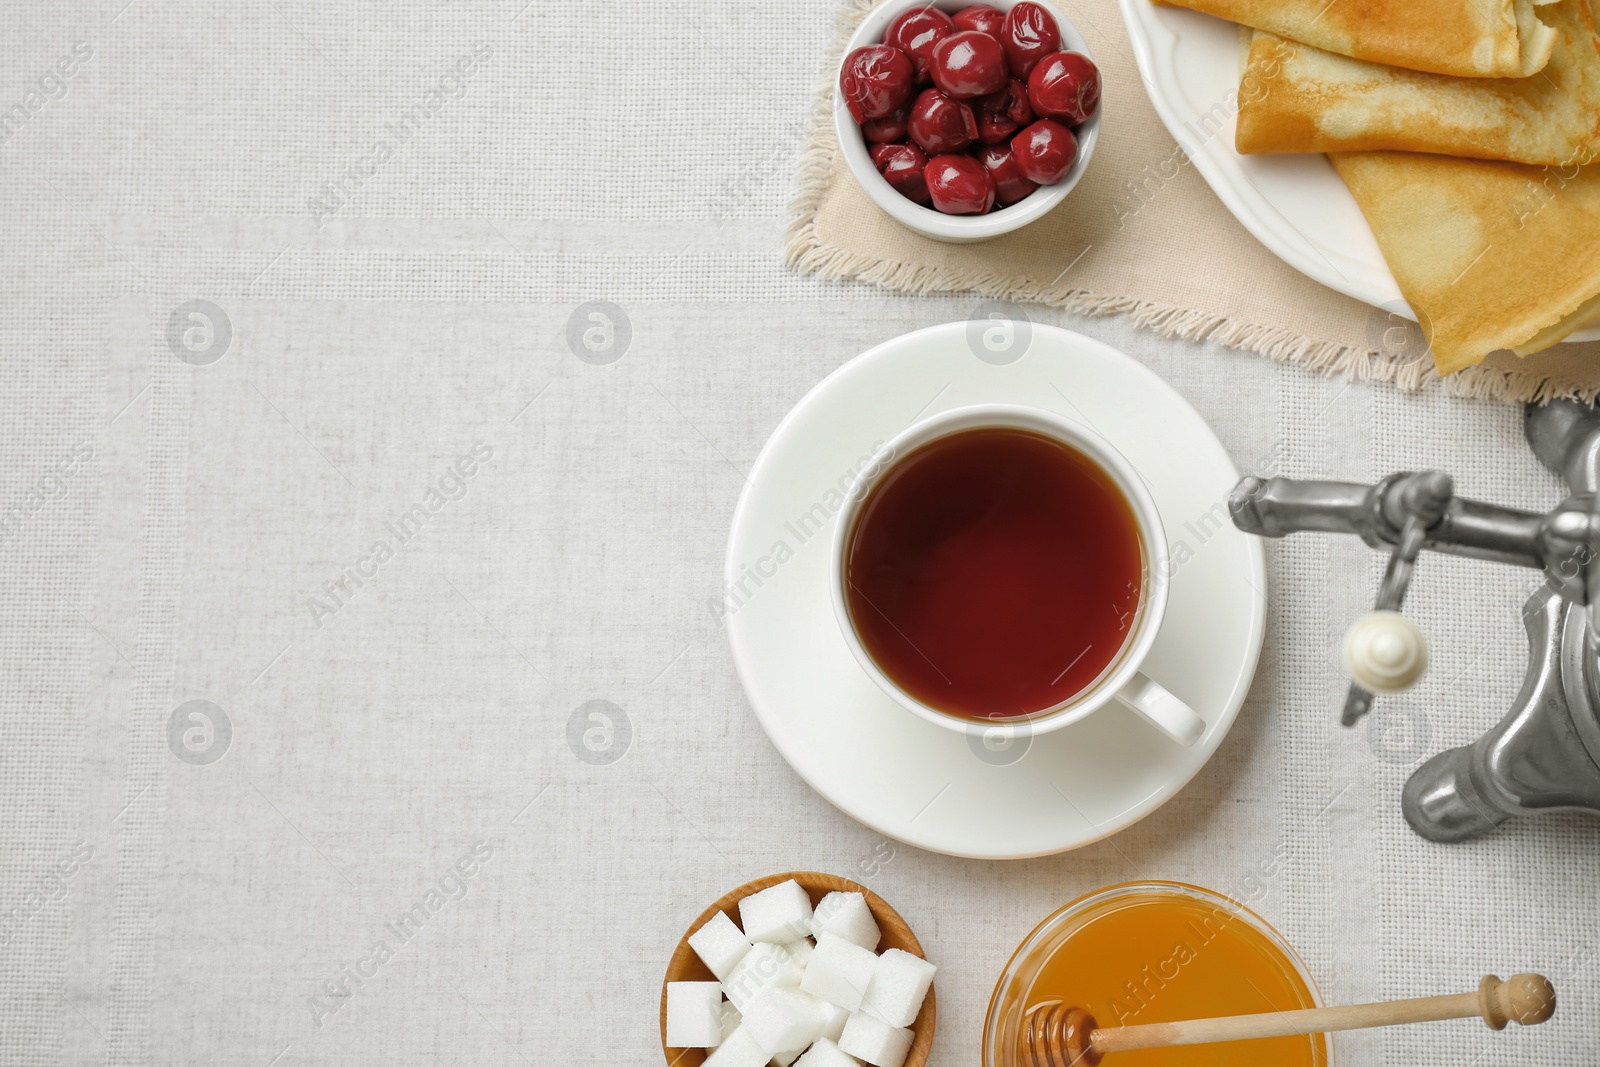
{"type": "Point", "coordinates": [1166, 712]}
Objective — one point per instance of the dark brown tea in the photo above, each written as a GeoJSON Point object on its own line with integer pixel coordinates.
{"type": "Point", "coordinates": [994, 573]}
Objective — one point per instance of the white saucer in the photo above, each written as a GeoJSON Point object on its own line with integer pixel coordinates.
{"type": "Point", "coordinates": [918, 782]}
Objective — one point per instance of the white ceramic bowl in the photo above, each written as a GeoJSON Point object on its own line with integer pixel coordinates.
{"type": "Point", "coordinates": [956, 229]}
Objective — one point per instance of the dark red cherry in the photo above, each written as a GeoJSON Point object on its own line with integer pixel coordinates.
{"type": "Point", "coordinates": [891, 127]}
{"type": "Point", "coordinates": [980, 17]}
{"type": "Point", "coordinates": [1021, 108]}
{"type": "Point", "coordinates": [1065, 86]}
{"type": "Point", "coordinates": [959, 185]}
{"type": "Point", "coordinates": [902, 167]}
{"type": "Point", "coordinates": [1010, 184]}
{"type": "Point", "coordinates": [968, 64]}
{"type": "Point", "coordinates": [1029, 34]}
{"type": "Point", "coordinates": [1044, 151]}
{"type": "Point", "coordinates": [876, 80]}
{"type": "Point", "coordinates": [915, 32]}
{"type": "Point", "coordinates": [1003, 113]}
{"type": "Point", "coordinates": [940, 124]}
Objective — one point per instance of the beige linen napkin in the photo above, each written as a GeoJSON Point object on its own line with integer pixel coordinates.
{"type": "Point", "coordinates": [1143, 235]}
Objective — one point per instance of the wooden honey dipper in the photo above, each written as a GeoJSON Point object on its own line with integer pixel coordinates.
{"type": "Point", "coordinates": [1062, 1036]}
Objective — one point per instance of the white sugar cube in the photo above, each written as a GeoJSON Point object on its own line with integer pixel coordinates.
{"type": "Point", "coordinates": [764, 965]}
{"type": "Point", "coordinates": [730, 1017]}
{"type": "Point", "coordinates": [783, 1059]}
{"type": "Point", "coordinates": [779, 914]}
{"type": "Point", "coordinates": [876, 1042]}
{"type": "Point", "coordinates": [898, 986]}
{"type": "Point", "coordinates": [833, 1020]}
{"type": "Point", "coordinates": [738, 1049]}
{"type": "Point", "coordinates": [719, 944]}
{"type": "Point", "coordinates": [839, 972]}
{"type": "Point", "coordinates": [848, 916]}
{"type": "Point", "coordinates": [783, 1019]}
{"type": "Point", "coordinates": [824, 1053]}
{"type": "Point", "coordinates": [694, 1018]}
{"type": "Point", "coordinates": [801, 951]}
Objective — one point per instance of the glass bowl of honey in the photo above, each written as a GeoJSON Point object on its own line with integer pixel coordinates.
{"type": "Point", "coordinates": [1147, 952]}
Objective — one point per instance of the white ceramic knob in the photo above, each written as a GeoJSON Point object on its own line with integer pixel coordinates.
{"type": "Point", "coordinates": [1385, 652]}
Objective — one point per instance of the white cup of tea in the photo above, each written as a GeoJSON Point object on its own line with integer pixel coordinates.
{"type": "Point", "coordinates": [1117, 671]}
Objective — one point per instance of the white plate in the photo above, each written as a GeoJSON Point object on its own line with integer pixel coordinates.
{"type": "Point", "coordinates": [918, 782]}
{"type": "Point", "coordinates": [1294, 204]}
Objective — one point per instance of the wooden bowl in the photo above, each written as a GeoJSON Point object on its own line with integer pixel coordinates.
{"type": "Point", "coordinates": [685, 966]}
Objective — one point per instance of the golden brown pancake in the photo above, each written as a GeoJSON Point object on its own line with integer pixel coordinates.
{"type": "Point", "coordinates": [1490, 255]}
{"type": "Point", "coordinates": [1295, 98]}
{"type": "Point", "coordinates": [1465, 38]}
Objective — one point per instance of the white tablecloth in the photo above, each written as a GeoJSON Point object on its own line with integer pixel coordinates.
{"type": "Point", "coordinates": [394, 211]}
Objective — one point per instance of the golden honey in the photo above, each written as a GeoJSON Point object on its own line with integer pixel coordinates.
{"type": "Point", "coordinates": [1157, 952]}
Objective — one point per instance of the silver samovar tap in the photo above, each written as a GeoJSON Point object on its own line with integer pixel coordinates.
{"type": "Point", "coordinates": [1545, 754]}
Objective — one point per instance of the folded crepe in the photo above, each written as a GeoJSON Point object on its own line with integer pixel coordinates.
{"type": "Point", "coordinates": [1295, 98]}
{"type": "Point", "coordinates": [1466, 38]}
{"type": "Point", "coordinates": [1489, 255]}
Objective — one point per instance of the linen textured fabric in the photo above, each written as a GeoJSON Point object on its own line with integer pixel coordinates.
{"type": "Point", "coordinates": [427, 504]}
